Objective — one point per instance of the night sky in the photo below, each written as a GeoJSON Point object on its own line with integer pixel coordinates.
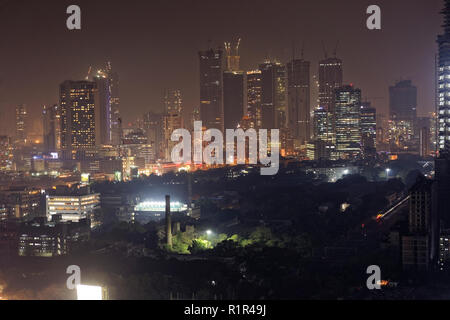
{"type": "Point", "coordinates": [153, 45]}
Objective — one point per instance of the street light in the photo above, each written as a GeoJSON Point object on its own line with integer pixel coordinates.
{"type": "Point", "coordinates": [208, 232]}
{"type": "Point", "coordinates": [387, 173]}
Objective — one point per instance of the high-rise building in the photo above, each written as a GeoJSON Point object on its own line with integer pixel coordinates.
{"type": "Point", "coordinates": [403, 117]}
{"type": "Point", "coordinates": [299, 110]}
{"type": "Point", "coordinates": [330, 78]}
{"type": "Point", "coordinates": [444, 83]}
{"type": "Point", "coordinates": [233, 98]}
{"type": "Point", "coordinates": [273, 95]}
{"type": "Point", "coordinates": [103, 108]}
{"type": "Point", "coordinates": [368, 127]}
{"type": "Point", "coordinates": [173, 118]}
{"type": "Point", "coordinates": [153, 126]}
{"type": "Point", "coordinates": [21, 123]}
{"type": "Point", "coordinates": [6, 154]}
{"type": "Point", "coordinates": [442, 163]}
{"type": "Point", "coordinates": [421, 243]}
{"type": "Point", "coordinates": [254, 97]}
{"type": "Point", "coordinates": [424, 141]}
{"type": "Point", "coordinates": [79, 118]}
{"type": "Point", "coordinates": [347, 113]}
{"type": "Point", "coordinates": [51, 128]}
{"type": "Point", "coordinates": [403, 101]}
{"type": "Point", "coordinates": [116, 121]}
{"type": "Point", "coordinates": [233, 88]}
{"type": "Point", "coordinates": [211, 88]}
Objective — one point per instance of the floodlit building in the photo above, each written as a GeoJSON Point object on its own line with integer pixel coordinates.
{"type": "Point", "coordinates": [146, 211]}
{"type": "Point", "coordinates": [72, 207]}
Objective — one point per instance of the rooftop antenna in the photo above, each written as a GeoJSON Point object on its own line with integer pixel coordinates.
{"type": "Point", "coordinates": [89, 73]}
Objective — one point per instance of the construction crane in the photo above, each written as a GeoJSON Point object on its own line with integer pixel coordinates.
{"type": "Point", "coordinates": [237, 47]}
{"type": "Point", "coordinates": [89, 73]}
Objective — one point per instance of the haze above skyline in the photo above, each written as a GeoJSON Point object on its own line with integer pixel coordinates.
{"type": "Point", "coordinates": [153, 45]}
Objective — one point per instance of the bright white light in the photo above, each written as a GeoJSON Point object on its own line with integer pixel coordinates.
{"type": "Point", "coordinates": [388, 170]}
{"type": "Point", "coordinates": [85, 292]}
{"type": "Point", "coordinates": [346, 171]}
{"type": "Point", "coordinates": [208, 232]}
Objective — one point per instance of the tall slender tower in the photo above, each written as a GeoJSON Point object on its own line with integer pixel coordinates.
{"type": "Point", "coordinates": [254, 97]}
{"type": "Point", "coordinates": [233, 88]}
{"type": "Point", "coordinates": [330, 78]}
{"type": "Point", "coordinates": [211, 88]}
{"type": "Point", "coordinates": [21, 123]}
{"type": "Point", "coordinates": [173, 118]}
{"type": "Point", "coordinates": [103, 104]}
{"type": "Point", "coordinates": [299, 100]}
{"type": "Point", "coordinates": [115, 104]}
{"type": "Point", "coordinates": [51, 126]}
{"type": "Point", "coordinates": [273, 95]}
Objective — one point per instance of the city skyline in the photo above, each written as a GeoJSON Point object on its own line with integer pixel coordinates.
{"type": "Point", "coordinates": [144, 73]}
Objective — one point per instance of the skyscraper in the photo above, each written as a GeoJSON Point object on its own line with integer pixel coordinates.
{"type": "Point", "coordinates": [51, 127]}
{"type": "Point", "coordinates": [347, 113]}
{"type": "Point", "coordinates": [443, 89]}
{"type": "Point", "coordinates": [233, 87]}
{"type": "Point", "coordinates": [420, 244]}
{"type": "Point", "coordinates": [233, 98]}
{"type": "Point", "coordinates": [103, 106]}
{"type": "Point", "coordinates": [254, 97]}
{"type": "Point", "coordinates": [153, 126]}
{"type": "Point", "coordinates": [299, 110]}
{"type": "Point", "coordinates": [442, 163]}
{"type": "Point", "coordinates": [211, 88]}
{"type": "Point", "coordinates": [368, 127]}
{"type": "Point", "coordinates": [173, 118]}
{"type": "Point", "coordinates": [116, 122]}
{"type": "Point", "coordinates": [79, 118]}
{"type": "Point", "coordinates": [403, 102]}
{"type": "Point", "coordinates": [6, 153]}
{"type": "Point", "coordinates": [330, 78]}
{"type": "Point", "coordinates": [21, 123]}
{"type": "Point", "coordinates": [273, 95]}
